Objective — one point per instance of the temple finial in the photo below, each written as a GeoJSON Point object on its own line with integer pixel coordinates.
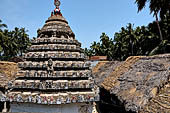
{"type": "Point", "coordinates": [57, 9]}
{"type": "Point", "coordinates": [57, 3]}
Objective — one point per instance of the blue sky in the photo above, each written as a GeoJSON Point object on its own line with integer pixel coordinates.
{"type": "Point", "coordinates": [87, 18]}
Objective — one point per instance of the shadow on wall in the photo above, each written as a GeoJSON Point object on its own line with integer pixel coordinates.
{"type": "Point", "coordinates": [109, 103]}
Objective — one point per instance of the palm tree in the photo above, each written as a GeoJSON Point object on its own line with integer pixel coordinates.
{"type": "Point", "coordinates": [24, 40]}
{"type": "Point", "coordinates": [156, 7]}
{"type": "Point", "coordinates": [2, 36]}
{"type": "Point", "coordinates": [1, 31]}
{"type": "Point", "coordinates": [121, 46]}
{"type": "Point", "coordinates": [2, 25]}
{"type": "Point", "coordinates": [88, 52]}
{"type": "Point", "coordinates": [96, 47]}
{"type": "Point", "coordinates": [131, 38]}
{"type": "Point", "coordinates": [12, 43]}
{"type": "Point", "coordinates": [106, 45]}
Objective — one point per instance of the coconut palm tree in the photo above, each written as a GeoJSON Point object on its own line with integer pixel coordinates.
{"type": "Point", "coordinates": [1, 31]}
{"type": "Point", "coordinates": [12, 43]}
{"type": "Point", "coordinates": [106, 45]}
{"type": "Point", "coordinates": [2, 25]}
{"type": "Point", "coordinates": [24, 40]}
{"type": "Point", "coordinates": [96, 47]}
{"type": "Point", "coordinates": [156, 7]}
{"type": "Point", "coordinates": [2, 36]}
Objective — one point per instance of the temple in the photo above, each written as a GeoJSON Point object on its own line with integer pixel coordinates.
{"type": "Point", "coordinates": [55, 76]}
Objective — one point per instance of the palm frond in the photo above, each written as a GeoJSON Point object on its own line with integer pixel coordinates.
{"type": "Point", "coordinates": [140, 4]}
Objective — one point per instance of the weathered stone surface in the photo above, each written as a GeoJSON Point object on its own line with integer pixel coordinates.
{"type": "Point", "coordinates": [160, 103]}
{"type": "Point", "coordinates": [57, 24]}
{"type": "Point", "coordinates": [141, 83]}
{"type": "Point", "coordinates": [7, 72]}
{"type": "Point", "coordinates": [103, 69]}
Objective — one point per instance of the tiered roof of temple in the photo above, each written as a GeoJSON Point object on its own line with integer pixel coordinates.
{"type": "Point", "coordinates": [54, 70]}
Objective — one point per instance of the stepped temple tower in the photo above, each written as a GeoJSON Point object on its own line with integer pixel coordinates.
{"type": "Point", "coordinates": [55, 76]}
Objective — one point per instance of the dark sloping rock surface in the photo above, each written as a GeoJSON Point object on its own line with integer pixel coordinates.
{"type": "Point", "coordinates": [103, 69]}
{"type": "Point", "coordinates": [138, 82]}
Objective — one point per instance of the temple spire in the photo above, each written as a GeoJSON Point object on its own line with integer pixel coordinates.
{"type": "Point", "coordinates": [57, 9]}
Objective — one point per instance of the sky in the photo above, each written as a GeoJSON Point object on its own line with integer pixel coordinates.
{"type": "Point", "coordinates": [87, 18]}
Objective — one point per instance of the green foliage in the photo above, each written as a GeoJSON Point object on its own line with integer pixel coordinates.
{"type": "Point", "coordinates": [103, 48]}
{"type": "Point", "coordinates": [157, 7]}
{"type": "Point", "coordinates": [2, 25]}
{"type": "Point", "coordinates": [130, 41]}
{"type": "Point", "coordinates": [12, 43]}
{"type": "Point", "coordinates": [145, 40]}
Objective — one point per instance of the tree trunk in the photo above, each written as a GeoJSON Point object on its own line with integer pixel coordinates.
{"type": "Point", "coordinates": [131, 42]}
{"type": "Point", "coordinates": [160, 32]}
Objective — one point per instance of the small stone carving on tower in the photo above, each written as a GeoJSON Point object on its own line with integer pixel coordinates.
{"type": "Point", "coordinates": [50, 68]}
